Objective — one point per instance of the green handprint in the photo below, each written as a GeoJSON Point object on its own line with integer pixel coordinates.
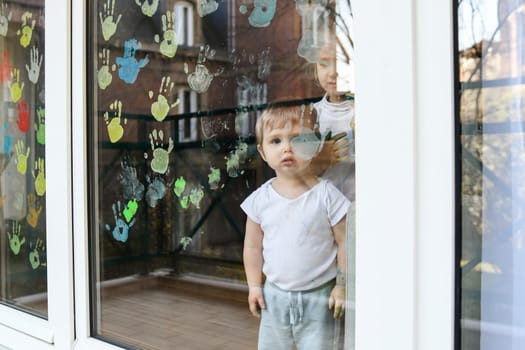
{"type": "Point", "coordinates": [15, 243]}
{"type": "Point", "coordinates": [34, 255]}
{"type": "Point", "coordinates": [168, 45]}
{"type": "Point", "coordinates": [184, 202]}
{"type": "Point", "coordinates": [115, 129]}
{"type": "Point", "coordinates": [130, 210]}
{"type": "Point", "coordinates": [180, 186]}
{"type": "Point", "coordinates": [40, 179]}
{"type": "Point", "coordinates": [109, 27]}
{"type": "Point", "coordinates": [40, 125]}
{"type": "Point", "coordinates": [15, 86]}
{"type": "Point", "coordinates": [34, 209]}
{"type": "Point", "coordinates": [26, 31]}
{"type": "Point", "coordinates": [21, 158]}
{"type": "Point", "coordinates": [160, 161]}
{"type": "Point", "coordinates": [161, 107]}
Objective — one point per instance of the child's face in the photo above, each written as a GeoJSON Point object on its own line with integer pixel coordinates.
{"type": "Point", "coordinates": [276, 150]}
{"type": "Point", "coordinates": [327, 71]}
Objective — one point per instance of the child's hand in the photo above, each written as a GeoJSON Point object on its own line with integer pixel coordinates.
{"type": "Point", "coordinates": [340, 147]}
{"type": "Point", "coordinates": [256, 301]}
{"type": "Point", "coordinates": [337, 301]}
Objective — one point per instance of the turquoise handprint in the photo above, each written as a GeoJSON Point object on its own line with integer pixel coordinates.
{"type": "Point", "coordinates": [121, 229]}
{"type": "Point", "coordinates": [262, 14]}
{"type": "Point", "coordinates": [128, 65]}
{"type": "Point", "coordinates": [156, 191]}
{"type": "Point", "coordinates": [8, 139]}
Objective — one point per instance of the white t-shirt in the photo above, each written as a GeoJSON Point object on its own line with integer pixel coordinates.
{"type": "Point", "coordinates": [299, 250]}
{"type": "Point", "coordinates": [338, 117]}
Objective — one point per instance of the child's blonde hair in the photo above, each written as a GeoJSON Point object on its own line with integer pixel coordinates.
{"type": "Point", "coordinates": [276, 116]}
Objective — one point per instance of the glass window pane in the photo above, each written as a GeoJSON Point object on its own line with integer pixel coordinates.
{"type": "Point", "coordinates": [23, 271]}
{"type": "Point", "coordinates": [175, 91]}
{"type": "Point", "coordinates": [492, 120]}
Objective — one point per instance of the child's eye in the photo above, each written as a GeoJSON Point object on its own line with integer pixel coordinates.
{"type": "Point", "coordinates": [275, 141]}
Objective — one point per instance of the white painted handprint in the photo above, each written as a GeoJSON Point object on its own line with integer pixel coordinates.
{"type": "Point", "coordinates": [160, 161]}
{"type": "Point", "coordinates": [168, 44]}
{"type": "Point", "coordinates": [201, 78]}
{"type": "Point", "coordinates": [161, 107]}
{"type": "Point", "coordinates": [104, 76]}
{"type": "Point", "coordinates": [315, 31]}
{"type": "Point", "coordinates": [4, 18]}
{"type": "Point", "coordinates": [107, 22]}
{"type": "Point", "coordinates": [33, 71]}
{"type": "Point", "coordinates": [148, 7]}
{"type": "Point", "coordinates": [205, 7]}
{"type": "Point", "coordinates": [115, 129]}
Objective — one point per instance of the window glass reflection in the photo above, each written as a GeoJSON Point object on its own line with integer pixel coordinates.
{"type": "Point", "coordinates": [491, 116]}
{"type": "Point", "coordinates": [23, 271]}
{"type": "Point", "coordinates": [176, 89]}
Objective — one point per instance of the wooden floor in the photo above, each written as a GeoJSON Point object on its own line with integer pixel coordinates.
{"type": "Point", "coordinates": [178, 316]}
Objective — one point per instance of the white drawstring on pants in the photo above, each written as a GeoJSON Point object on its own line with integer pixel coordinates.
{"type": "Point", "coordinates": [295, 307]}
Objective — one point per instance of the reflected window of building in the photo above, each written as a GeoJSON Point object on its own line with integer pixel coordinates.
{"type": "Point", "coordinates": [184, 17]}
{"type": "Point", "coordinates": [187, 125]}
{"type": "Point", "coordinates": [490, 121]}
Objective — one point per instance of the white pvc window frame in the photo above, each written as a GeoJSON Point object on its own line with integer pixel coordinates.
{"type": "Point", "coordinates": [405, 189]}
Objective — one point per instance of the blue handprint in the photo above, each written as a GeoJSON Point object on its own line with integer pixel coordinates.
{"type": "Point", "coordinates": [8, 139]}
{"type": "Point", "coordinates": [262, 13]}
{"type": "Point", "coordinates": [121, 229]}
{"type": "Point", "coordinates": [128, 65]}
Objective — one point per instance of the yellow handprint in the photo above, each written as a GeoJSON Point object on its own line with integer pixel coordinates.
{"type": "Point", "coordinates": [15, 86]}
{"type": "Point", "coordinates": [40, 179]}
{"type": "Point", "coordinates": [109, 27]}
{"type": "Point", "coordinates": [26, 30]}
{"type": "Point", "coordinates": [115, 129]}
{"type": "Point", "coordinates": [21, 158]}
{"type": "Point", "coordinates": [161, 107]}
{"type": "Point", "coordinates": [35, 209]}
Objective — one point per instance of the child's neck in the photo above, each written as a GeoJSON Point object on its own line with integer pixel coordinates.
{"type": "Point", "coordinates": [336, 98]}
{"type": "Point", "coordinates": [294, 186]}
